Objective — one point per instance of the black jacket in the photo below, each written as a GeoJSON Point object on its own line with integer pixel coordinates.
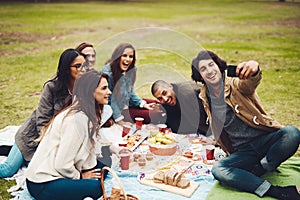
{"type": "Point", "coordinates": [188, 115]}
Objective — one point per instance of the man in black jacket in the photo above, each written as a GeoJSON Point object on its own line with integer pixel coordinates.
{"type": "Point", "coordinates": [184, 109]}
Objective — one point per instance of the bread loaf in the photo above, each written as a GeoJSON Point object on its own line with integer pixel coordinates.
{"type": "Point", "coordinates": [115, 193]}
{"type": "Point", "coordinates": [171, 177]}
{"type": "Point", "coordinates": [177, 178]}
{"type": "Point", "coordinates": [183, 183]}
{"type": "Point", "coordinates": [159, 177]}
{"type": "Point", "coordinates": [171, 174]}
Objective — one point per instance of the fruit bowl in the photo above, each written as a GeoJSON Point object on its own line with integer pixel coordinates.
{"type": "Point", "coordinates": [163, 149]}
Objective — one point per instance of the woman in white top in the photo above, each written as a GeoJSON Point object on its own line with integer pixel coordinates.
{"type": "Point", "coordinates": [65, 164]}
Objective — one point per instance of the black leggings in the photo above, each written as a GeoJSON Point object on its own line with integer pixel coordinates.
{"type": "Point", "coordinates": [4, 150]}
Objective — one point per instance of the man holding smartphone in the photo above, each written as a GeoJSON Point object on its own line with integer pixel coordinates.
{"type": "Point", "coordinates": [255, 143]}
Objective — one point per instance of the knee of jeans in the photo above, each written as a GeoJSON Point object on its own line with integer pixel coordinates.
{"type": "Point", "coordinates": [96, 190]}
{"type": "Point", "coordinates": [292, 132]}
{"type": "Point", "coordinates": [218, 170]}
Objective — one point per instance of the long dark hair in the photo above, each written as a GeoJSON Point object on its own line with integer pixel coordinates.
{"type": "Point", "coordinates": [84, 99]}
{"type": "Point", "coordinates": [62, 76]}
{"type": "Point", "coordinates": [114, 61]}
{"type": "Point", "coordinates": [204, 55]}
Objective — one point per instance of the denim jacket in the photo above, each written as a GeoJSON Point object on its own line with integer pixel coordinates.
{"type": "Point", "coordinates": [49, 105]}
{"type": "Point", "coordinates": [122, 92]}
{"type": "Point", "coordinates": [241, 96]}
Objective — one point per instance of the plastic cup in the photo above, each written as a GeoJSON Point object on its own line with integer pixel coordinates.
{"type": "Point", "coordinates": [153, 130]}
{"type": "Point", "coordinates": [162, 128]}
{"type": "Point", "coordinates": [126, 130]}
{"type": "Point", "coordinates": [125, 158]}
{"type": "Point", "coordinates": [210, 150]}
{"type": "Point", "coordinates": [139, 122]}
{"type": "Point", "coordinates": [125, 161]}
{"type": "Point", "coordinates": [122, 144]}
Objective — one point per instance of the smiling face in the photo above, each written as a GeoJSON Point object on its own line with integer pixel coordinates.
{"type": "Point", "coordinates": [90, 55]}
{"type": "Point", "coordinates": [102, 92]}
{"type": "Point", "coordinates": [126, 59]}
{"type": "Point", "coordinates": [210, 72]}
{"type": "Point", "coordinates": [165, 95]}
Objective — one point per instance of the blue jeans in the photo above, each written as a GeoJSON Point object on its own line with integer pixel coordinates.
{"type": "Point", "coordinates": [269, 150]}
{"type": "Point", "coordinates": [65, 188]}
{"type": "Point", "coordinates": [13, 162]}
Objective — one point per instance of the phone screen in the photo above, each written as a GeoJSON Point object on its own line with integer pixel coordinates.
{"type": "Point", "coordinates": [231, 69]}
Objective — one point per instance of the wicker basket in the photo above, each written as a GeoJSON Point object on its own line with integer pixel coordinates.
{"type": "Point", "coordinates": [123, 196]}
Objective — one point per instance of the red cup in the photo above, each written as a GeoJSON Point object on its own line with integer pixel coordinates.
{"type": "Point", "coordinates": [162, 128]}
{"type": "Point", "coordinates": [139, 122]}
{"type": "Point", "coordinates": [126, 130]}
{"type": "Point", "coordinates": [122, 144]}
{"type": "Point", "coordinates": [125, 158]}
{"type": "Point", "coordinates": [210, 150]}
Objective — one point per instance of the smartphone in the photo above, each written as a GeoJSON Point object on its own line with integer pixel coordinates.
{"type": "Point", "coordinates": [231, 69]}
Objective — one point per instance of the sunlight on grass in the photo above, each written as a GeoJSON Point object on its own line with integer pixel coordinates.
{"type": "Point", "coordinates": [266, 31]}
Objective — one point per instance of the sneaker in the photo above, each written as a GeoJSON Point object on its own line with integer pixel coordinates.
{"type": "Point", "coordinates": [285, 193]}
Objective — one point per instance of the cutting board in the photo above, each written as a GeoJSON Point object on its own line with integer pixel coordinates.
{"type": "Point", "coordinates": [187, 192]}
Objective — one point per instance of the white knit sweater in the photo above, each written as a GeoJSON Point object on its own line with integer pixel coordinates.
{"type": "Point", "coordinates": [65, 150]}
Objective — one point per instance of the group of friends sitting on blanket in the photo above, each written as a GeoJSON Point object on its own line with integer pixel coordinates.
{"type": "Point", "coordinates": [57, 142]}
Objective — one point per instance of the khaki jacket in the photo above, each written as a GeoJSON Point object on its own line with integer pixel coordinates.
{"type": "Point", "coordinates": [241, 96]}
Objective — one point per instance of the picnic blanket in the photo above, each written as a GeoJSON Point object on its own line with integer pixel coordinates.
{"type": "Point", "coordinates": [288, 173]}
{"type": "Point", "coordinates": [132, 186]}
{"type": "Point", "coordinates": [128, 179]}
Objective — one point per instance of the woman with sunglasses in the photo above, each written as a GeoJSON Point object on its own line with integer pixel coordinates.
{"type": "Point", "coordinates": [56, 95]}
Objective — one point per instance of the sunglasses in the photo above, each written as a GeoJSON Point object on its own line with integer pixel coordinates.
{"type": "Point", "coordinates": [81, 67]}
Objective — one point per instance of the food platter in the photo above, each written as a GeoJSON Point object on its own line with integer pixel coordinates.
{"type": "Point", "coordinates": [180, 164]}
{"type": "Point", "coordinates": [134, 139]}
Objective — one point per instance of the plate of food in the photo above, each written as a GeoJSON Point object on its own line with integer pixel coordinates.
{"type": "Point", "coordinates": [134, 140]}
{"type": "Point", "coordinates": [180, 164]}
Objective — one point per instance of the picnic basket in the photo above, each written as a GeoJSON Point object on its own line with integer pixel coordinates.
{"type": "Point", "coordinates": [123, 196]}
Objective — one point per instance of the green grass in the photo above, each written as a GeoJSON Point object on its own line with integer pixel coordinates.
{"type": "Point", "coordinates": [34, 35]}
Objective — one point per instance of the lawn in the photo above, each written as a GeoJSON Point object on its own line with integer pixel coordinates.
{"type": "Point", "coordinates": [167, 35]}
